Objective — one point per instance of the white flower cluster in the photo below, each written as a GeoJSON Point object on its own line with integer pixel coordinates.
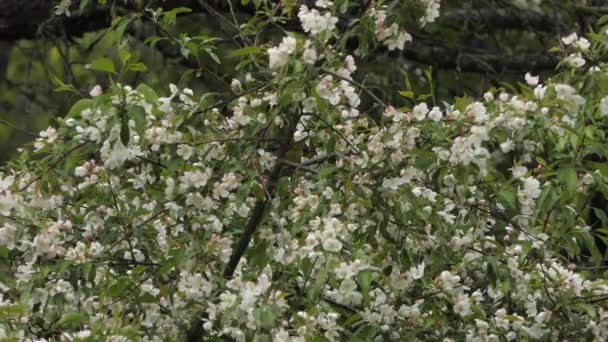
{"type": "Point", "coordinates": [63, 8]}
{"type": "Point", "coordinates": [576, 59]}
{"type": "Point", "coordinates": [431, 11]}
{"type": "Point", "coordinates": [417, 224]}
{"type": "Point", "coordinates": [313, 22]}
{"type": "Point", "coordinates": [47, 137]}
{"type": "Point", "coordinates": [390, 35]}
{"type": "Point", "coordinates": [278, 56]}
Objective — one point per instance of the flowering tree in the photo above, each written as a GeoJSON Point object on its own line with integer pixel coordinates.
{"type": "Point", "coordinates": [284, 212]}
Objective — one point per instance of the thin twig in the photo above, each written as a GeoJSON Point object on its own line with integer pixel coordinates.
{"type": "Point", "coordinates": [338, 133]}
{"type": "Point", "coordinates": [52, 166]}
{"type": "Point", "coordinates": [8, 124]}
{"type": "Point", "coordinates": [359, 85]}
{"type": "Point", "coordinates": [236, 24]}
{"type": "Point", "coordinates": [298, 166]}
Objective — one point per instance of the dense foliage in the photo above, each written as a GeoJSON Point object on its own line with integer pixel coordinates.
{"type": "Point", "coordinates": [286, 212]}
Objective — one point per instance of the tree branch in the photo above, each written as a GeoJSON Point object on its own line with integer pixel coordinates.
{"type": "Point", "coordinates": [196, 331]}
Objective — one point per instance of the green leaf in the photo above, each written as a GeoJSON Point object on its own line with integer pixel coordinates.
{"type": "Point", "coordinates": [246, 51]}
{"type": "Point", "coordinates": [71, 319]}
{"type": "Point", "coordinates": [79, 107]}
{"type": "Point", "coordinates": [320, 280]}
{"type": "Point", "coordinates": [147, 298]}
{"type": "Point", "coordinates": [258, 255]}
{"type": "Point", "coordinates": [365, 278]}
{"type": "Point", "coordinates": [118, 288]}
{"type": "Point", "coordinates": [152, 40]}
{"type": "Point", "coordinates": [83, 4]}
{"type": "Point", "coordinates": [265, 316]}
{"type": "Point", "coordinates": [148, 93]}
{"type": "Point", "coordinates": [599, 213]}
{"type": "Point", "coordinates": [586, 308]}
{"type": "Point", "coordinates": [568, 177]}
{"type": "Point", "coordinates": [170, 17]}
{"type": "Point", "coordinates": [213, 56]}
{"type": "Point", "coordinates": [103, 64]}
{"type": "Point", "coordinates": [365, 333]}
{"type": "Point", "coordinates": [354, 318]}
{"type": "Point", "coordinates": [546, 200]}
{"type": "Point", "coordinates": [124, 56]}
{"type": "Point", "coordinates": [125, 133]}
{"type": "Point", "coordinates": [492, 271]}
{"type": "Point", "coordinates": [92, 273]}
{"type": "Point", "coordinates": [590, 245]}
{"type": "Point", "coordinates": [60, 85]}
{"type": "Point", "coordinates": [407, 83]}
{"type": "Point", "coordinates": [506, 196]}
{"type": "Point", "coordinates": [138, 114]}
{"type": "Point", "coordinates": [343, 6]}
{"type": "Point", "coordinates": [10, 310]}
{"type": "Point", "coordinates": [407, 93]}
{"type": "Point", "coordinates": [306, 266]}
{"type": "Point", "coordinates": [328, 172]}
{"type": "Point", "coordinates": [258, 191]}
{"type": "Point", "coordinates": [131, 332]}
{"type": "Point", "coordinates": [137, 67]}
